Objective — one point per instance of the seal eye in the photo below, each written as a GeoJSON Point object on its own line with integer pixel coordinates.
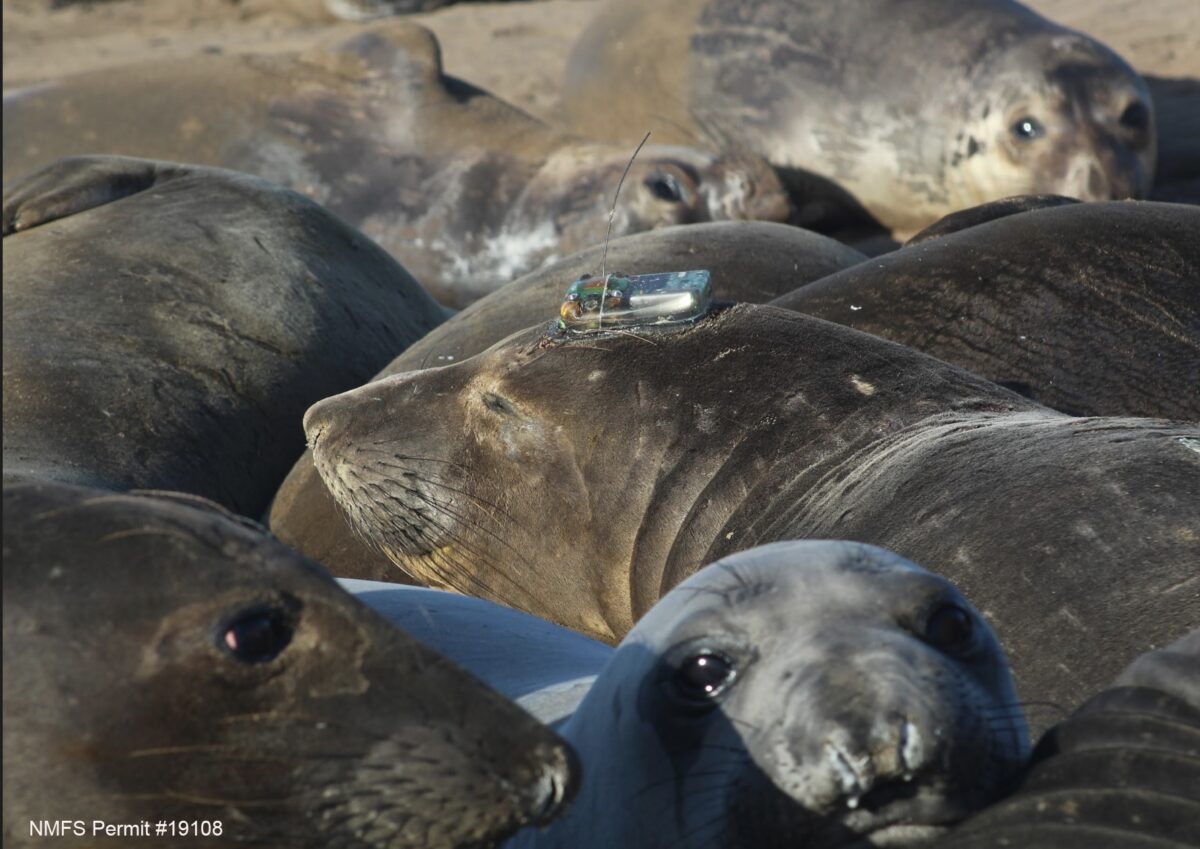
{"type": "Point", "coordinates": [497, 404]}
{"type": "Point", "coordinates": [664, 187]}
{"type": "Point", "coordinates": [703, 676]}
{"type": "Point", "coordinates": [1028, 129]}
{"type": "Point", "coordinates": [1136, 116]}
{"type": "Point", "coordinates": [950, 629]}
{"type": "Point", "coordinates": [257, 636]}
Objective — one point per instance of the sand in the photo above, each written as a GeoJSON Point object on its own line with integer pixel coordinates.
{"type": "Point", "coordinates": [518, 49]}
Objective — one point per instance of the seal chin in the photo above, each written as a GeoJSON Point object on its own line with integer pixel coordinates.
{"type": "Point", "coordinates": [902, 835]}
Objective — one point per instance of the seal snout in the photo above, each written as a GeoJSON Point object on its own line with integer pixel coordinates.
{"type": "Point", "coordinates": [554, 789]}
{"type": "Point", "coordinates": [317, 421]}
{"type": "Point", "coordinates": [860, 769]}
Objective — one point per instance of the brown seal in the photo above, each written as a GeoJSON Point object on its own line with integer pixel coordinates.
{"type": "Point", "coordinates": [165, 662]}
{"type": "Point", "coordinates": [580, 478]}
{"type": "Point", "coordinates": [908, 110]}
{"type": "Point", "coordinates": [1092, 309]}
{"type": "Point", "coordinates": [166, 326]}
{"type": "Point", "coordinates": [464, 190]}
{"type": "Point", "coordinates": [751, 261]}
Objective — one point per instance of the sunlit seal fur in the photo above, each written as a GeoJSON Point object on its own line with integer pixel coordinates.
{"type": "Point", "coordinates": [751, 261]}
{"type": "Point", "coordinates": [801, 693]}
{"type": "Point", "coordinates": [915, 109]}
{"type": "Point", "coordinates": [164, 661]}
{"type": "Point", "coordinates": [463, 189]}
{"type": "Point", "coordinates": [1122, 772]}
{"type": "Point", "coordinates": [581, 478]}
{"type": "Point", "coordinates": [1092, 308]}
{"type": "Point", "coordinates": [166, 326]}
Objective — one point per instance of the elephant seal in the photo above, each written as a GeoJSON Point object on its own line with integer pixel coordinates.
{"type": "Point", "coordinates": [985, 212]}
{"type": "Point", "coordinates": [224, 678]}
{"type": "Point", "coordinates": [1090, 308]}
{"type": "Point", "coordinates": [800, 693]}
{"type": "Point", "coordinates": [166, 326]}
{"type": "Point", "coordinates": [464, 190]}
{"type": "Point", "coordinates": [1122, 772]}
{"type": "Point", "coordinates": [581, 477]}
{"type": "Point", "coordinates": [913, 109]}
{"type": "Point", "coordinates": [752, 261]}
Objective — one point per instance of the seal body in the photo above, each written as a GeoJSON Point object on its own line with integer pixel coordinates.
{"type": "Point", "coordinates": [166, 326]}
{"type": "Point", "coordinates": [804, 692]}
{"type": "Point", "coordinates": [225, 678]}
{"type": "Point", "coordinates": [543, 667]}
{"type": "Point", "coordinates": [463, 189]}
{"type": "Point", "coordinates": [967, 101]}
{"type": "Point", "coordinates": [751, 261]}
{"type": "Point", "coordinates": [1123, 771]}
{"type": "Point", "coordinates": [1093, 309]}
{"type": "Point", "coordinates": [579, 478]}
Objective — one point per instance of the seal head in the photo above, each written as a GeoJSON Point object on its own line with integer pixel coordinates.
{"type": "Point", "coordinates": [164, 661]}
{"type": "Point", "coordinates": [800, 693]}
{"type": "Point", "coordinates": [1064, 115]}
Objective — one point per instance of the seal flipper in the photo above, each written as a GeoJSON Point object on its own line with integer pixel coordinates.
{"type": "Point", "coordinates": [966, 218]}
{"type": "Point", "coordinates": [77, 184]}
{"type": "Point", "coordinates": [1174, 669]}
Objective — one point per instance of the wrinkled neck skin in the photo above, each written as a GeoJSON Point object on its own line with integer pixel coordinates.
{"type": "Point", "coordinates": [709, 502]}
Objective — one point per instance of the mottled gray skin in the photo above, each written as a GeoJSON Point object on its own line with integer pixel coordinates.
{"type": "Point", "coordinates": [1122, 773]}
{"type": "Point", "coordinates": [581, 479]}
{"type": "Point", "coordinates": [166, 326]}
{"type": "Point", "coordinates": [844, 712]}
{"type": "Point", "coordinates": [125, 700]}
{"type": "Point", "coordinates": [464, 190]}
{"type": "Point", "coordinates": [904, 108]}
{"type": "Point", "coordinates": [1092, 309]}
{"type": "Point", "coordinates": [752, 261]}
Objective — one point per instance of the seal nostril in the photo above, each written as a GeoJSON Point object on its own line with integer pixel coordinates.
{"type": "Point", "coordinates": [910, 750]}
{"type": "Point", "coordinates": [548, 796]}
{"type": "Point", "coordinates": [315, 423]}
{"type": "Point", "coordinates": [1136, 117]}
{"type": "Point", "coordinates": [554, 787]}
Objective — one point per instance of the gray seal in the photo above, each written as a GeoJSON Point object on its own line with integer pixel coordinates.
{"type": "Point", "coordinates": [1089, 308]}
{"type": "Point", "coordinates": [466, 191]}
{"type": "Point", "coordinates": [580, 478]}
{"type": "Point", "coordinates": [800, 693]}
{"type": "Point", "coordinates": [751, 261]}
{"type": "Point", "coordinates": [908, 110]}
{"type": "Point", "coordinates": [166, 326]}
{"type": "Point", "coordinates": [222, 677]}
{"type": "Point", "coordinates": [1123, 771]}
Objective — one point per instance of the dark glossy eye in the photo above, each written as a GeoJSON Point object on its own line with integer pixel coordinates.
{"type": "Point", "coordinates": [257, 636]}
{"type": "Point", "coordinates": [1027, 129]}
{"type": "Point", "coordinates": [498, 405]}
{"type": "Point", "coordinates": [664, 187]}
{"type": "Point", "coordinates": [950, 629]}
{"type": "Point", "coordinates": [1136, 116]}
{"type": "Point", "coordinates": [703, 676]}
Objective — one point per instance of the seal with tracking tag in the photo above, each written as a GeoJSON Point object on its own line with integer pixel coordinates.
{"type": "Point", "coordinates": [640, 300]}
